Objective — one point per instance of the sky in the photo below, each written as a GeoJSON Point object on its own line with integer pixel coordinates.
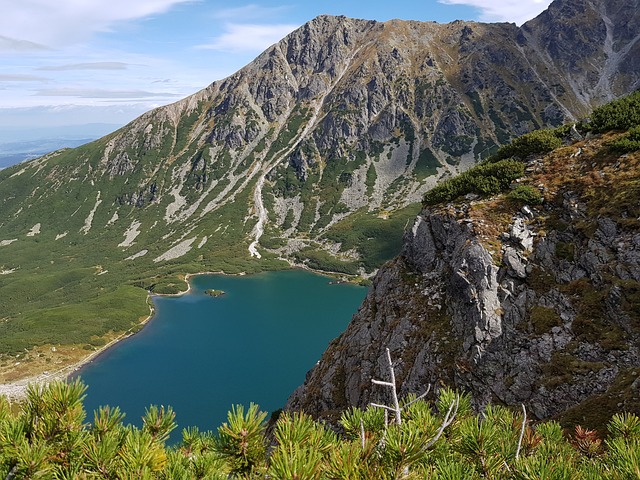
{"type": "Point", "coordinates": [74, 62]}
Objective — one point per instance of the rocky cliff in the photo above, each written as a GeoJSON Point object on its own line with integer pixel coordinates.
{"type": "Point", "coordinates": [513, 303]}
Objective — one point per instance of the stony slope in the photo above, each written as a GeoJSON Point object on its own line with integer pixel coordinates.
{"type": "Point", "coordinates": [317, 152]}
{"type": "Point", "coordinates": [537, 305]}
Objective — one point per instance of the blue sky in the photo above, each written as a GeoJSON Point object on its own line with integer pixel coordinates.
{"type": "Point", "coordinates": [71, 62]}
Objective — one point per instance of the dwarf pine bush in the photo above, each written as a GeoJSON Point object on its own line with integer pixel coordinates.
{"type": "Point", "coordinates": [526, 194]}
{"type": "Point", "coordinates": [627, 143]}
{"type": "Point", "coordinates": [537, 142]}
{"type": "Point", "coordinates": [621, 114]}
{"type": "Point", "coordinates": [49, 438]}
{"type": "Point", "coordinates": [484, 179]}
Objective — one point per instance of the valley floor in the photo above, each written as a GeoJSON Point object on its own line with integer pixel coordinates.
{"type": "Point", "coordinates": [48, 363]}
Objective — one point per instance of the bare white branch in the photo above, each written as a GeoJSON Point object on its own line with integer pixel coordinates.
{"type": "Point", "coordinates": [380, 382]}
{"type": "Point", "coordinates": [417, 398]}
{"type": "Point", "coordinates": [377, 405]}
{"type": "Point", "coordinates": [524, 422]}
{"type": "Point", "coordinates": [394, 391]}
{"type": "Point", "coordinates": [448, 420]}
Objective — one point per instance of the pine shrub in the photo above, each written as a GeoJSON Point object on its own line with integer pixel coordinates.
{"type": "Point", "coordinates": [526, 194]}
{"type": "Point", "coordinates": [48, 438]}
{"type": "Point", "coordinates": [627, 143]}
{"type": "Point", "coordinates": [537, 142]}
{"type": "Point", "coordinates": [621, 114]}
{"type": "Point", "coordinates": [483, 179]}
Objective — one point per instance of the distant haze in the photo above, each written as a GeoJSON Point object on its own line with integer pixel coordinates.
{"type": "Point", "coordinates": [18, 144]}
{"type": "Point", "coordinates": [11, 135]}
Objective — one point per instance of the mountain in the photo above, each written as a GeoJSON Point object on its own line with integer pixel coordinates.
{"type": "Point", "coordinates": [316, 153]}
{"type": "Point", "coordinates": [531, 296]}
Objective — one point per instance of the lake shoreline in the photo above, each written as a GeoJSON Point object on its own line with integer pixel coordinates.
{"type": "Point", "coordinates": [202, 355]}
{"type": "Point", "coordinates": [17, 390]}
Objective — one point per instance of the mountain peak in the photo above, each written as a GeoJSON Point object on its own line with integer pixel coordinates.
{"type": "Point", "coordinates": [570, 33]}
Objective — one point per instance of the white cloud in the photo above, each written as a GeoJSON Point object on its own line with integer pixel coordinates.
{"type": "Point", "coordinates": [21, 78]}
{"type": "Point", "coordinates": [34, 23]}
{"type": "Point", "coordinates": [245, 37]}
{"type": "Point", "coordinates": [88, 66]}
{"type": "Point", "coordinates": [518, 11]}
{"type": "Point", "coordinates": [101, 93]}
{"type": "Point", "coordinates": [8, 44]}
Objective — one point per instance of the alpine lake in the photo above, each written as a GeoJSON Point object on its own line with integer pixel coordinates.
{"type": "Point", "coordinates": [204, 351]}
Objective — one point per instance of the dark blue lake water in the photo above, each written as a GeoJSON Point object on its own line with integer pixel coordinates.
{"type": "Point", "coordinates": [202, 354]}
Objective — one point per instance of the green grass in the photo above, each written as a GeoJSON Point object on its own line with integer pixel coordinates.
{"type": "Point", "coordinates": [75, 321]}
{"type": "Point", "coordinates": [543, 319]}
{"type": "Point", "coordinates": [427, 165]}
{"type": "Point", "coordinates": [321, 260]}
{"type": "Point", "coordinates": [376, 239]}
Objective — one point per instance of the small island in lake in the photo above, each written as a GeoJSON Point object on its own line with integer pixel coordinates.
{"type": "Point", "coordinates": [214, 293]}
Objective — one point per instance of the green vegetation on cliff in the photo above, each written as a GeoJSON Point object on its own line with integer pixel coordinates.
{"type": "Point", "coordinates": [496, 173]}
{"type": "Point", "coordinates": [620, 114]}
{"type": "Point", "coordinates": [488, 178]}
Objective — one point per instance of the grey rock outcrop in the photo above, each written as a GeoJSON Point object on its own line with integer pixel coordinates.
{"type": "Point", "coordinates": [552, 320]}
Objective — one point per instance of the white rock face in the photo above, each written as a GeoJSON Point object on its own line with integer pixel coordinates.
{"type": "Point", "coordinates": [35, 230]}
{"type": "Point", "coordinates": [131, 234]}
{"type": "Point", "coordinates": [113, 219]}
{"type": "Point", "coordinates": [89, 220]}
{"type": "Point", "coordinates": [141, 253]}
{"type": "Point", "coordinates": [177, 251]}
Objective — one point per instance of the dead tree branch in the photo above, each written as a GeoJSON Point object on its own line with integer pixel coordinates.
{"type": "Point", "coordinates": [448, 420]}
{"type": "Point", "coordinates": [396, 409]}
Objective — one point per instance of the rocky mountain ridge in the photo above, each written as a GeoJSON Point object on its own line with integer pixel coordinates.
{"type": "Point", "coordinates": [514, 304]}
{"type": "Point", "coordinates": [316, 153]}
